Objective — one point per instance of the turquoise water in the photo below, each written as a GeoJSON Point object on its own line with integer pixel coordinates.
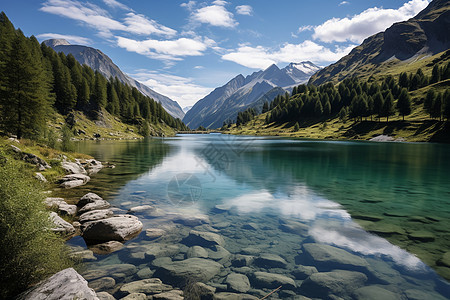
{"type": "Point", "coordinates": [385, 203]}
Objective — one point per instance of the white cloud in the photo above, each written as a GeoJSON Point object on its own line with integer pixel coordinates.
{"type": "Point", "coordinates": [189, 5]}
{"type": "Point", "coordinates": [181, 89]}
{"type": "Point", "coordinates": [99, 19]}
{"type": "Point", "coordinates": [261, 57]}
{"type": "Point", "coordinates": [367, 23]}
{"type": "Point", "coordinates": [244, 10]}
{"type": "Point", "coordinates": [166, 50]}
{"type": "Point", "coordinates": [305, 28]}
{"type": "Point", "coordinates": [140, 24]}
{"type": "Point", "coordinates": [344, 3]}
{"type": "Point", "coordinates": [215, 15]}
{"type": "Point", "coordinates": [116, 4]}
{"type": "Point", "coordinates": [199, 67]}
{"type": "Point", "coordinates": [73, 39]}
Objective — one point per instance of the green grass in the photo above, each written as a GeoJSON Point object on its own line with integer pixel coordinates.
{"type": "Point", "coordinates": [29, 251]}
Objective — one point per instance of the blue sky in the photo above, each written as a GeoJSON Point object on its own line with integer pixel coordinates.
{"type": "Point", "coordinates": [184, 49]}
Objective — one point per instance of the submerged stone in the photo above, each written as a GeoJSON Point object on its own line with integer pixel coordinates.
{"type": "Point", "coordinates": [341, 283]}
{"type": "Point", "coordinates": [267, 260]}
{"type": "Point", "coordinates": [272, 281]}
{"type": "Point", "coordinates": [179, 273]}
{"type": "Point", "coordinates": [233, 296]}
{"type": "Point", "coordinates": [237, 283]}
{"type": "Point", "coordinates": [147, 286]}
{"type": "Point", "coordinates": [327, 257]}
{"type": "Point", "coordinates": [204, 239]}
{"type": "Point", "coordinates": [373, 292]}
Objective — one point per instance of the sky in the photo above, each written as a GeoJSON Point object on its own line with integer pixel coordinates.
{"type": "Point", "coordinates": [185, 49]}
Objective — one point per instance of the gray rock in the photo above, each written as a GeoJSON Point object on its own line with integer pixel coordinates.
{"type": "Point", "coordinates": [250, 251]}
{"type": "Point", "coordinates": [93, 166]}
{"type": "Point", "coordinates": [84, 255]}
{"type": "Point", "coordinates": [219, 254]}
{"type": "Point", "coordinates": [293, 227]}
{"type": "Point", "coordinates": [199, 290]}
{"type": "Point", "coordinates": [153, 251]}
{"type": "Point", "coordinates": [52, 202]}
{"type": "Point", "coordinates": [145, 273]}
{"type": "Point", "coordinates": [341, 283]}
{"type": "Point", "coordinates": [64, 285]}
{"type": "Point", "coordinates": [303, 272]}
{"type": "Point", "coordinates": [88, 198]}
{"type": "Point", "coordinates": [196, 251]}
{"type": "Point", "coordinates": [73, 180]}
{"type": "Point", "coordinates": [327, 257]}
{"type": "Point", "coordinates": [61, 206]}
{"type": "Point", "coordinates": [94, 215]}
{"type": "Point", "coordinates": [102, 284]}
{"type": "Point", "coordinates": [105, 296]}
{"type": "Point", "coordinates": [110, 271]}
{"type": "Point", "coordinates": [189, 220]}
{"type": "Point", "coordinates": [237, 283]}
{"type": "Point", "coordinates": [147, 286]}
{"type": "Point", "coordinates": [272, 281]}
{"type": "Point", "coordinates": [242, 260]}
{"type": "Point", "coordinates": [170, 295]}
{"type": "Point", "coordinates": [135, 296]}
{"type": "Point", "coordinates": [373, 292]}
{"type": "Point", "coordinates": [267, 260]}
{"type": "Point", "coordinates": [161, 261]}
{"type": "Point", "coordinates": [233, 296]}
{"type": "Point", "coordinates": [251, 226]}
{"type": "Point", "coordinates": [15, 149]}
{"type": "Point", "coordinates": [204, 239]}
{"type": "Point", "coordinates": [73, 167]}
{"type": "Point", "coordinates": [179, 273]}
{"type": "Point", "coordinates": [40, 177]}
{"type": "Point", "coordinates": [36, 160]}
{"type": "Point", "coordinates": [142, 209]}
{"type": "Point", "coordinates": [154, 233]}
{"type": "Point", "coordinates": [61, 226]}
{"type": "Point", "coordinates": [96, 205]}
{"type": "Point", "coordinates": [106, 248]}
{"type": "Point", "coordinates": [117, 228]}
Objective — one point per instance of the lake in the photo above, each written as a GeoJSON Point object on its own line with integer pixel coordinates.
{"type": "Point", "coordinates": [246, 215]}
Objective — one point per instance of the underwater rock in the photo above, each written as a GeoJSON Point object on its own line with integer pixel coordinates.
{"type": "Point", "coordinates": [267, 260]}
{"type": "Point", "coordinates": [117, 228]}
{"type": "Point", "coordinates": [204, 239]}
{"type": "Point", "coordinates": [272, 281]}
{"type": "Point", "coordinates": [237, 283]}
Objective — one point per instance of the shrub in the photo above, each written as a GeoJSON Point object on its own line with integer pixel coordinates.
{"type": "Point", "coordinates": [29, 251]}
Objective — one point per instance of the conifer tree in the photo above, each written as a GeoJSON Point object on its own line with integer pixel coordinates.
{"type": "Point", "coordinates": [378, 102]}
{"type": "Point", "coordinates": [388, 106]}
{"type": "Point", "coordinates": [98, 97]}
{"type": "Point", "coordinates": [435, 74]}
{"type": "Point", "coordinates": [436, 110]}
{"type": "Point", "coordinates": [404, 103]}
{"type": "Point", "coordinates": [429, 101]}
{"type": "Point", "coordinates": [265, 107]}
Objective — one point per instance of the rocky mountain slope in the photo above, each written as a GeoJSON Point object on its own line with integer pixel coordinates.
{"type": "Point", "coordinates": [97, 60]}
{"type": "Point", "coordinates": [241, 92]}
{"type": "Point", "coordinates": [428, 33]}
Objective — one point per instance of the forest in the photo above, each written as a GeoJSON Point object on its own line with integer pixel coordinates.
{"type": "Point", "coordinates": [358, 100]}
{"type": "Point", "coordinates": [36, 82]}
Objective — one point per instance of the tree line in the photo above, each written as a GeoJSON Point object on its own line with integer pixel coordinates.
{"type": "Point", "coordinates": [359, 100]}
{"type": "Point", "coordinates": [35, 81]}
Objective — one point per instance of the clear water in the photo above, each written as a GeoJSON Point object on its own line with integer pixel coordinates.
{"type": "Point", "coordinates": [388, 203]}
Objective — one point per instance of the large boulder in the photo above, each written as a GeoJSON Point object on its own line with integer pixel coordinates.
{"type": "Point", "coordinates": [36, 160]}
{"type": "Point", "coordinates": [73, 180]}
{"type": "Point", "coordinates": [73, 167]}
{"type": "Point", "coordinates": [96, 205]}
{"type": "Point", "coordinates": [95, 215]}
{"type": "Point", "coordinates": [178, 273]}
{"type": "Point", "coordinates": [272, 281]}
{"type": "Point", "coordinates": [61, 226]}
{"type": "Point", "coordinates": [147, 286]}
{"type": "Point", "coordinates": [237, 283]}
{"type": "Point", "coordinates": [93, 166]}
{"type": "Point", "coordinates": [88, 198]}
{"type": "Point", "coordinates": [327, 257]}
{"type": "Point", "coordinates": [117, 228]}
{"type": "Point", "coordinates": [204, 239]}
{"type": "Point", "coordinates": [340, 283]}
{"type": "Point", "coordinates": [64, 285]}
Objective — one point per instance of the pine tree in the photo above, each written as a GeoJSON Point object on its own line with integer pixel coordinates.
{"type": "Point", "coordinates": [99, 93]}
{"type": "Point", "coordinates": [378, 102]}
{"type": "Point", "coordinates": [327, 108]}
{"type": "Point", "coordinates": [296, 127]}
{"type": "Point", "coordinates": [26, 89]}
{"type": "Point", "coordinates": [265, 107]}
{"type": "Point", "coordinates": [403, 80]}
{"type": "Point", "coordinates": [404, 103]}
{"type": "Point", "coordinates": [435, 74]}
{"type": "Point", "coordinates": [318, 109]}
{"type": "Point", "coordinates": [388, 106]}
{"type": "Point", "coordinates": [429, 101]}
{"type": "Point", "coordinates": [436, 110]}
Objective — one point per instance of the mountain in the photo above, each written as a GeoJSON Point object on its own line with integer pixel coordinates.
{"type": "Point", "coordinates": [428, 33]}
{"type": "Point", "coordinates": [187, 108]}
{"type": "Point", "coordinates": [99, 61]}
{"type": "Point", "coordinates": [242, 92]}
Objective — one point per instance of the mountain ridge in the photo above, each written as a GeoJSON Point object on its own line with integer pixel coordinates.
{"type": "Point", "coordinates": [224, 102]}
{"type": "Point", "coordinates": [425, 34]}
{"type": "Point", "coordinates": [97, 60]}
